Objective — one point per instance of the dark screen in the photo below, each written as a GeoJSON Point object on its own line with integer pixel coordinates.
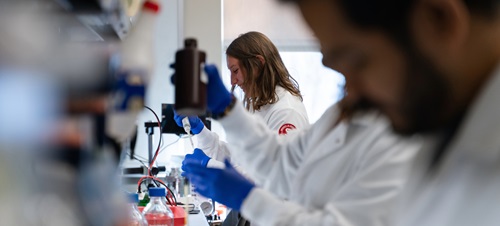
{"type": "Point", "coordinates": [168, 123]}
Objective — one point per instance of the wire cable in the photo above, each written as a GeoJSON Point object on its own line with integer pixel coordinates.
{"type": "Point", "coordinates": [168, 145]}
{"type": "Point", "coordinates": [140, 158]}
{"type": "Point", "coordinates": [171, 199]}
{"type": "Point", "coordinates": [142, 161]}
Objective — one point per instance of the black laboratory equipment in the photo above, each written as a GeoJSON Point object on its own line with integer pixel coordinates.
{"type": "Point", "coordinates": [168, 123]}
{"type": "Point", "coordinates": [168, 126]}
{"type": "Point", "coordinates": [190, 80]}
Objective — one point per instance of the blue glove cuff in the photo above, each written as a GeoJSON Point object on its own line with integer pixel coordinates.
{"type": "Point", "coordinates": [225, 101]}
{"type": "Point", "coordinates": [198, 127]}
{"type": "Point", "coordinates": [201, 156]}
{"type": "Point", "coordinates": [204, 161]}
{"type": "Point", "coordinates": [218, 96]}
{"type": "Point", "coordinates": [243, 194]}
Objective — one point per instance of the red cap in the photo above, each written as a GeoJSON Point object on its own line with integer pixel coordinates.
{"type": "Point", "coordinates": [152, 6]}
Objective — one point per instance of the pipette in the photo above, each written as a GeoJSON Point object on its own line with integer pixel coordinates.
{"type": "Point", "coordinates": [187, 128]}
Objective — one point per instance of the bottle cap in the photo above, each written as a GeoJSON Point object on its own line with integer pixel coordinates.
{"type": "Point", "coordinates": [133, 198]}
{"type": "Point", "coordinates": [190, 42]}
{"type": "Point", "coordinates": [152, 6]}
{"type": "Point", "coordinates": [156, 192]}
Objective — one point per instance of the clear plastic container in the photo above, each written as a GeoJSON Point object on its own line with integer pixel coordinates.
{"type": "Point", "coordinates": [157, 213]}
{"type": "Point", "coordinates": [138, 47]}
{"type": "Point", "coordinates": [137, 66]}
{"type": "Point", "coordinates": [135, 217]}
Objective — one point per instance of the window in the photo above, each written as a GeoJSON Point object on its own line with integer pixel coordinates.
{"type": "Point", "coordinates": [320, 86]}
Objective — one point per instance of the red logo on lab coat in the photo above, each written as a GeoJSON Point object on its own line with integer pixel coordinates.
{"type": "Point", "coordinates": [285, 128]}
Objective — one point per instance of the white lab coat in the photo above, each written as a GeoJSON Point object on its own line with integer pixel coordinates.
{"type": "Point", "coordinates": [465, 189]}
{"type": "Point", "coordinates": [342, 175]}
{"type": "Point", "coordinates": [288, 110]}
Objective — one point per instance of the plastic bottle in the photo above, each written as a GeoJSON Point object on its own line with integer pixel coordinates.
{"type": "Point", "coordinates": [135, 217]}
{"type": "Point", "coordinates": [157, 213]}
{"type": "Point", "coordinates": [137, 50]}
{"type": "Point", "coordinates": [135, 72]}
{"type": "Point", "coordinates": [190, 80]}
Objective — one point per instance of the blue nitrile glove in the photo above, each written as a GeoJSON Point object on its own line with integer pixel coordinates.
{"type": "Point", "coordinates": [218, 96]}
{"type": "Point", "coordinates": [225, 186]}
{"type": "Point", "coordinates": [198, 157]}
{"type": "Point", "coordinates": [195, 122]}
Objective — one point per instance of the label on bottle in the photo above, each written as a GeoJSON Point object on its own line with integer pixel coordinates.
{"type": "Point", "coordinates": [203, 75]}
{"type": "Point", "coordinates": [129, 91]}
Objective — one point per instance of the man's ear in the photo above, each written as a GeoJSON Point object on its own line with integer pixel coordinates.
{"type": "Point", "coordinates": [261, 59]}
{"type": "Point", "coordinates": [440, 25]}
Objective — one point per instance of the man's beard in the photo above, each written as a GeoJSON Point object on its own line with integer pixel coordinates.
{"type": "Point", "coordinates": [426, 98]}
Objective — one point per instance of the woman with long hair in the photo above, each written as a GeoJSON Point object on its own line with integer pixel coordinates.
{"type": "Point", "coordinates": [270, 92]}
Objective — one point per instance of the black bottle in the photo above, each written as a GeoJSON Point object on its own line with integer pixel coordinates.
{"type": "Point", "coordinates": [190, 80]}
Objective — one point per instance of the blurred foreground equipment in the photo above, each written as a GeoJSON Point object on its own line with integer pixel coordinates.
{"type": "Point", "coordinates": [61, 65]}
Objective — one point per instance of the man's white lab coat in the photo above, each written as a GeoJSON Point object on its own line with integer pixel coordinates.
{"type": "Point", "coordinates": [464, 190]}
{"type": "Point", "coordinates": [348, 174]}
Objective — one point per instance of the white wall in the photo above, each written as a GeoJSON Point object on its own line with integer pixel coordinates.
{"type": "Point", "coordinates": [203, 21]}
{"type": "Point", "coordinates": [282, 23]}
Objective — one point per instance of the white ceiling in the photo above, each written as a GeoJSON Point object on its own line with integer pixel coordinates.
{"type": "Point", "coordinates": [282, 23]}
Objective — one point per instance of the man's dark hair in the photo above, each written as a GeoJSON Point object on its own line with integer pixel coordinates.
{"type": "Point", "coordinates": [392, 16]}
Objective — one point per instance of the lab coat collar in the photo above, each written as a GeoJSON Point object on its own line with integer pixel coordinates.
{"type": "Point", "coordinates": [479, 134]}
{"type": "Point", "coordinates": [280, 91]}
{"type": "Point", "coordinates": [365, 118]}
{"type": "Point", "coordinates": [337, 135]}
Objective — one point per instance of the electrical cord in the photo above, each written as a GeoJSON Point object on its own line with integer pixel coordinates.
{"type": "Point", "coordinates": [140, 158]}
{"type": "Point", "coordinates": [174, 199]}
{"type": "Point", "coordinates": [159, 123]}
{"type": "Point", "coordinates": [158, 150]}
{"type": "Point", "coordinates": [163, 148]}
{"type": "Point", "coordinates": [169, 194]}
{"type": "Point", "coordinates": [171, 199]}
{"type": "Point", "coordinates": [168, 145]}
{"type": "Point", "coordinates": [142, 161]}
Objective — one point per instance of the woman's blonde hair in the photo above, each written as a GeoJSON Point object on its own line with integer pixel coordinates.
{"type": "Point", "coordinates": [261, 78]}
